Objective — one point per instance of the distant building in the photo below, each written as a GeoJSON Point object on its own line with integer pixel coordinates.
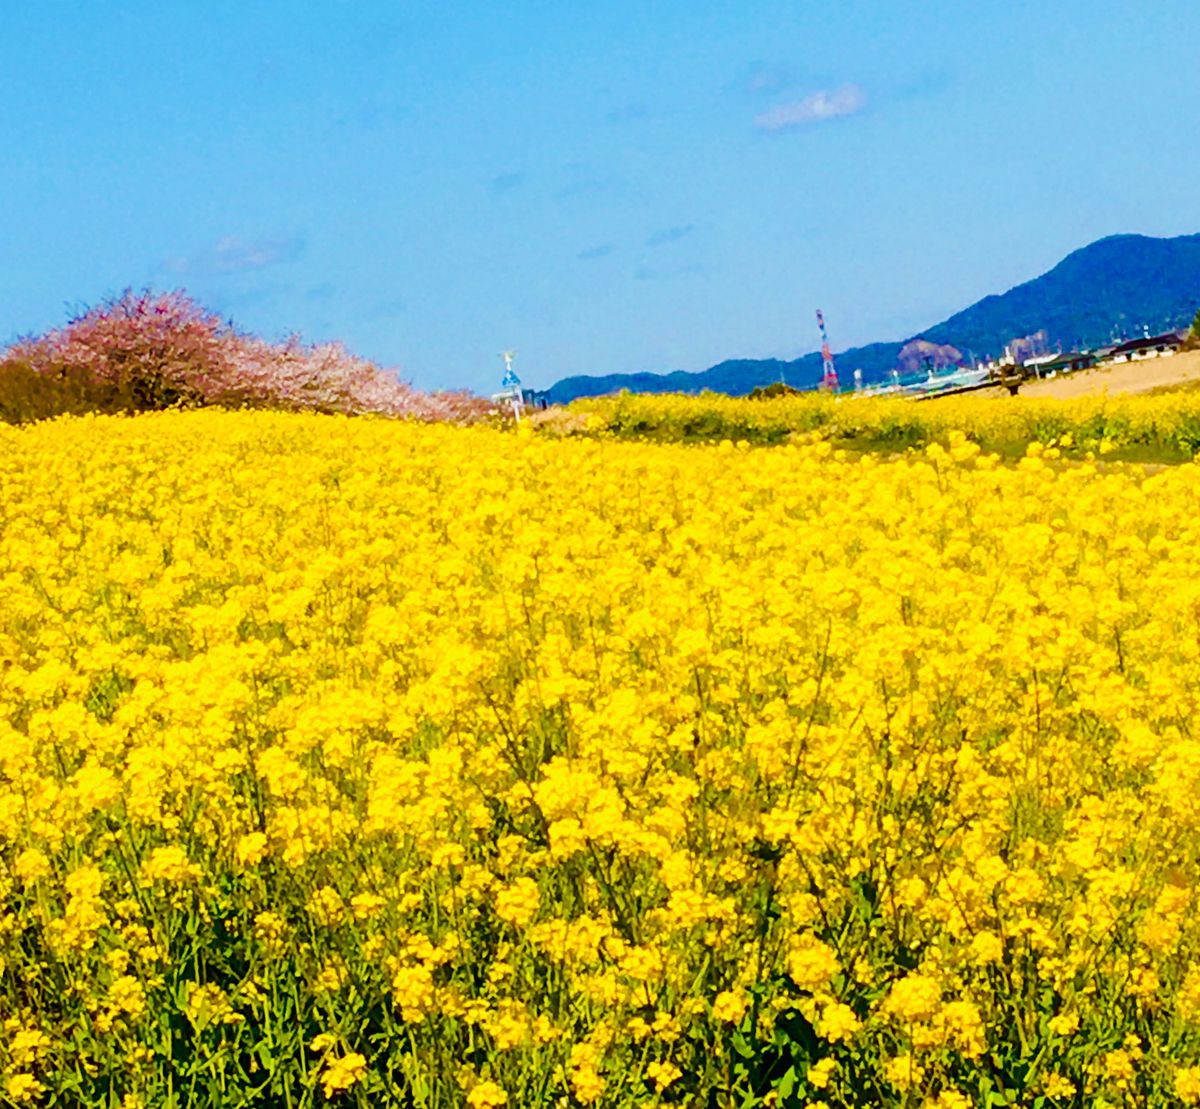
{"type": "Point", "coordinates": [1053, 364]}
{"type": "Point", "coordinates": [1151, 346]}
{"type": "Point", "coordinates": [1037, 366]}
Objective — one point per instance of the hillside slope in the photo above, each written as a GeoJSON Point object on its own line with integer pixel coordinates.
{"type": "Point", "coordinates": [1113, 286]}
{"type": "Point", "coordinates": [1119, 284]}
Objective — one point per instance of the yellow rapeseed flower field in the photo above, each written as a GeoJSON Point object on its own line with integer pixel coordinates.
{"type": "Point", "coordinates": [356, 762]}
{"type": "Point", "coordinates": [1144, 428]}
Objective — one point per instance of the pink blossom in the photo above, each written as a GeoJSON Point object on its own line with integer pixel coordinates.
{"type": "Point", "coordinates": [149, 350]}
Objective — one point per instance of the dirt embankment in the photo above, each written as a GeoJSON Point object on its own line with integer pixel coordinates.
{"type": "Point", "coordinates": [1128, 377]}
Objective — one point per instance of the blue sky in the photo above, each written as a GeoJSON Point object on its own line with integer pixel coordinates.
{"type": "Point", "coordinates": [608, 187]}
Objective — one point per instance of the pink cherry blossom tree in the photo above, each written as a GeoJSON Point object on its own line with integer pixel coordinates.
{"type": "Point", "coordinates": [144, 351]}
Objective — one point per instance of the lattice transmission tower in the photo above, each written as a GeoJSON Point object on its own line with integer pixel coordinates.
{"type": "Point", "coordinates": [829, 379]}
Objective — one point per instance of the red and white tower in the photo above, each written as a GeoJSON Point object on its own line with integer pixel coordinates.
{"type": "Point", "coordinates": [829, 381]}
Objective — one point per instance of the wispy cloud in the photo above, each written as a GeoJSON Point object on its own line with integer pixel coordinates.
{"type": "Point", "coordinates": [846, 100]}
{"type": "Point", "coordinates": [506, 182]}
{"type": "Point", "coordinates": [601, 251]}
{"type": "Point", "coordinates": [653, 273]}
{"type": "Point", "coordinates": [590, 180]}
{"type": "Point", "coordinates": [387, 309]}
{"type": "Point", "coordinates": [670, 235]}
{"type": "Point", "coordinates": [234, 302]}
{"type": "Point", "coordinates": [627, 113]}
{"type": "Point", "coordinates": [763, 77]}
{"type": "Point", "coordinates": [371, 116]}
{"type": "Point", "coordinates": [233, 254]}
{"type": "Point", "coordinates": [593, 187]}
{"type": "Point", "coordinates": [928, 83]}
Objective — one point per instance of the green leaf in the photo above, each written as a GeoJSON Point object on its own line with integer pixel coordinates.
{"type": "Point", "coordinates": [265, 1055]}
{"type": "Point", "coordinates": [738, 1040]}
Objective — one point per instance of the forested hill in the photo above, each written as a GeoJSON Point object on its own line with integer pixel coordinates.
{"type": "Point", "coordinates": [1109, 289]}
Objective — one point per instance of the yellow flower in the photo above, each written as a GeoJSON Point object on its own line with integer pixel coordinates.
{"type": "Point", "coordinates": [412, 988]}
{"type": "Point", "coordinates": [1118, 1066]}
{"type": "Point", "coordinates": [250, 849]}
{"type": "Point", "coordinates": [1187, 1085]}
{"type": "Point", "coordinates": [811, 962]}
{"type": "Point", "coordinates": [837, 1022]}
{"type": "Point", "coordinates": [22, 1087]}
{"type": "Point", "coordinates": [1065, 1024]}
{"type": "Point", "coordinates": [949, 1099]}
{"type": "Point", "coordinates": [127, 995]}
{"type": "Point", "coordinates": [914, 997]}
{"type": "Point", "coordinates": [169, 864]}
{"type": "Point", "coordinates": [663, 1074]}
{"type": "Point", "coordinates": [330, 978]}
{"type": "Point", "coordinates": [326, 906]}
{"type": "Point", "coordinates": [486, 1095]}
{"type": "Point", "coordinates": [207, 1005]}
{"type": "Point", "coordinates": [818, 1074]}
{"type": "Point", "coordinates": [1057, 1086]}
{"type": "Point", "coordinates": [340, 1074]}
{"type": "Point", "coordinates": [903, 1071]}
{"type": "Point", "coordinates": [1188, 998]}
{"type": "Point", "coordinates": [729, 1006]}
{"type": "Point", "coordinates": [517, 903]}
{"type": "Point", "coordinates": [269, 927]}
{"type": "Point", "coordinates": [963, 1026]}
{"type": "Point", "coordinates": [85, 882]}
{"type": "Point", "coordinates": [31, 864]}
{"type": "Point", "coordinates": [987, 947]}
{"type": "Point", "coordinates": [26, 1045]}
{"type": "Point", "coordinates": [586, 1084]}
{"type": "Point", "coordinates": [365, 905]}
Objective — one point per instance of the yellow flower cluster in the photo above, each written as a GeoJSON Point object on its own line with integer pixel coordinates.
{"type": "Point", "coordinates": [361, 760]}
{"type": "Point", "coordinates": [1147, 428]}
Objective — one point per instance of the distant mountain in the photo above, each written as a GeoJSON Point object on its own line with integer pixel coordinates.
{"type": "Point", "coordinates": [1113, 287]}
{"type": "Point", "coordinates": [1105, 291]}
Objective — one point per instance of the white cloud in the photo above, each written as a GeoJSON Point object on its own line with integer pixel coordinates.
{"type": "Point", "coordinates": [232, 254]}
{"type": "Point", "coordinates": [827, 104]}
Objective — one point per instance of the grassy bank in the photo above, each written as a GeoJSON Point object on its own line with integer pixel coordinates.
{"type": "Point", "coordinates": [1158, 428]}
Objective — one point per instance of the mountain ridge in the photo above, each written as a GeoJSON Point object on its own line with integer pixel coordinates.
{"type": "Point", "coordinates": [1120, 283]}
